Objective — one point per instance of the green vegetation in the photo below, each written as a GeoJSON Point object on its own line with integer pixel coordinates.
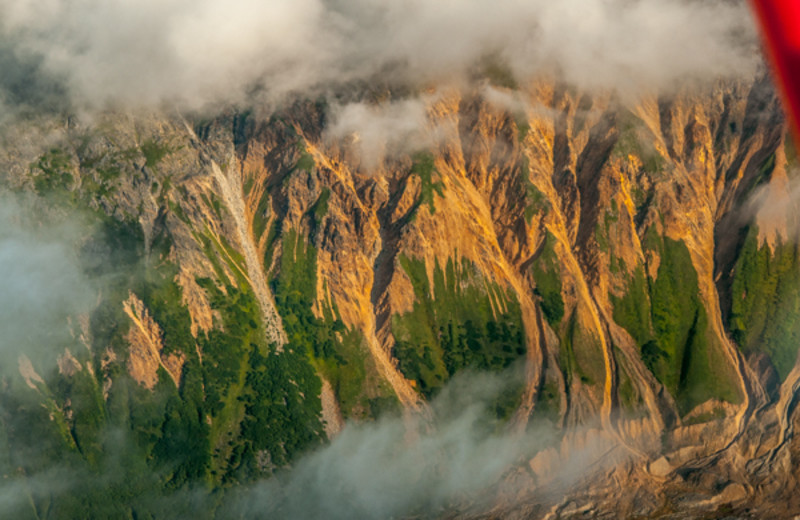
{"type": "Point", "coordinates": [499, 74]}
{"type": "Point", "coordinates": [119, 471]}
{"type": "Point", "coordinates": [581, 354]}
{"type": "Point", "coordinates": [631, 142]}
{"type": "Point", "coordinates": [183, 450]}
{"type": "Point", "coordinates": [632, 310]}
{"type": "Point", "coordinates": [629, 398]}
{"type": "Point", "coordinates": [693, 365]}
{"type": "Point", "coordinates": [459, 321]}
{"type": "Point", "coordinates": [213, 203]}
{"type": "Point", "coordinates": [765, 301]}
{"type": "Point", "coordinates": [241, 410]}
{"type": "Point", "coordinates": [320, 207]}
{"type": "Point", "coordinates": [668, 320]}
{"type": "Point", "coordinates": [154, 152]}
{"type": "Point", "coordinates": [249, 386]}
{"type": "Point", "coordinates": [306, 160]}
{"type": "Point", "coordinates": [523, 127]}
{"type": "Point", "coordinates": [323, 343]}
{"type": "Point", "coordinates": [317, 212]}
{"type": "Point", "coordinates": [122, 447]}
{"type": "Point", "coordinates": [238, 412]}
{"type": "Point", "coordinates": [547, 275]}
{"type": "Point", "coordinates": [52, 172]}
{"type": "Point", "coordinates": [80, 179]}
{"type": "Point", "coordinates": [162, 297]}
{"type": "Point", "coordinates": [423, 167]}
{"type": "Point", "coordinates": [208, 248]}
{"type": "Point", "coordinates": [535, 200]}
{"type": "Point", "coordinates": [282, 411]}
{"type": "Point", "coordinates": [261, 216]}
{"type": "Point", "coordinates": [272, 235]}
{"type": "Point", "coordinates": [225, 349]}
{"type": "Point", "coordinates": [603, 229]}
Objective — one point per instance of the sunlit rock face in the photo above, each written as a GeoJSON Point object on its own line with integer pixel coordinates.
{"type": "Point", "coordinates": [258, 286]}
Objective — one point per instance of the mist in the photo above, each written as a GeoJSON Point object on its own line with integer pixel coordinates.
{"type": "Point", "coordinates": [459, 457]}
{"type": "Point", "coordinates": [456, 458]}
{"type": "Point", "coordinates": [42, 281]}
{"type": "Point", "coordinates": [44, 290]}
{"type": "Point", "coordinates": [195, 54]}
{"type": "Point", "coordinates": [92, 55]}
{"type": "Point", "coordinates": [375, 131]}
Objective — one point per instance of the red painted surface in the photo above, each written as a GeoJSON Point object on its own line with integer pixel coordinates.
{"type": "Point", "coordinates": [780, 21]}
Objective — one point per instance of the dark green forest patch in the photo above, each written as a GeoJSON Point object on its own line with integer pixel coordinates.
{"type": "Point", "coordinates": [460, 321]}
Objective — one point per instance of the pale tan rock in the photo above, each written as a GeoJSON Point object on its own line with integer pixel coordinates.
{"type": "Point", "coordinates": [660, 467]}
{"type": "Point", "coordinates": [28, 373]}
{"type": "Point", "coordinates": [67, 364]}
{"type": "Point", "coordinates": [146, 347]}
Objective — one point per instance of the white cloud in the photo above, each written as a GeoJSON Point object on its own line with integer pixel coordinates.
{"type": "Point", "coordinates": [375, 131]}
{"type": "Point", "coordinates": [404, 467]}
{"type": "Point", "coordinates": [42, 284]}
{"type": "Point", "coordinates": [203, 51]}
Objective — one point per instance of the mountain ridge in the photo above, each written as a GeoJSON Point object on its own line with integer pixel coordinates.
{"type": "Point", "coordinates": [594, 243]}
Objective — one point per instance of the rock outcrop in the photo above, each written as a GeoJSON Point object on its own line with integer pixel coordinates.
{"type": "Point", "coordinates": [611, 246]}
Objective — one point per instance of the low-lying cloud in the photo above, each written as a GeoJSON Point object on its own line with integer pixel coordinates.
{"type": "Point", "coordinates": [458, 458]}
{"type": "Point", "coordinates": [42, 282]}
{"type": "Point", "coordinates": [191, 53]}
{"type": "Point", "coordinates": [375, 131]}
{"type": "Point", "coordinates": [401, 467]}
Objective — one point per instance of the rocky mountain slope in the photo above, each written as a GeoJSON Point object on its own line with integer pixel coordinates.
{"type": "Point", "coordinates": [631, 266]}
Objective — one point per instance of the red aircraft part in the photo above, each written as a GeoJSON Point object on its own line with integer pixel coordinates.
{"type": "Point", "coordinates": [780, 21]}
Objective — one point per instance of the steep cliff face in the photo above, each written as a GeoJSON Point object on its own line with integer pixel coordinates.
{"type": "Point", "coordinates": [261, 284]}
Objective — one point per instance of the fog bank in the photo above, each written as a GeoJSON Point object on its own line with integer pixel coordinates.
{"type": "Point", "coordinates": [192, 53]}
